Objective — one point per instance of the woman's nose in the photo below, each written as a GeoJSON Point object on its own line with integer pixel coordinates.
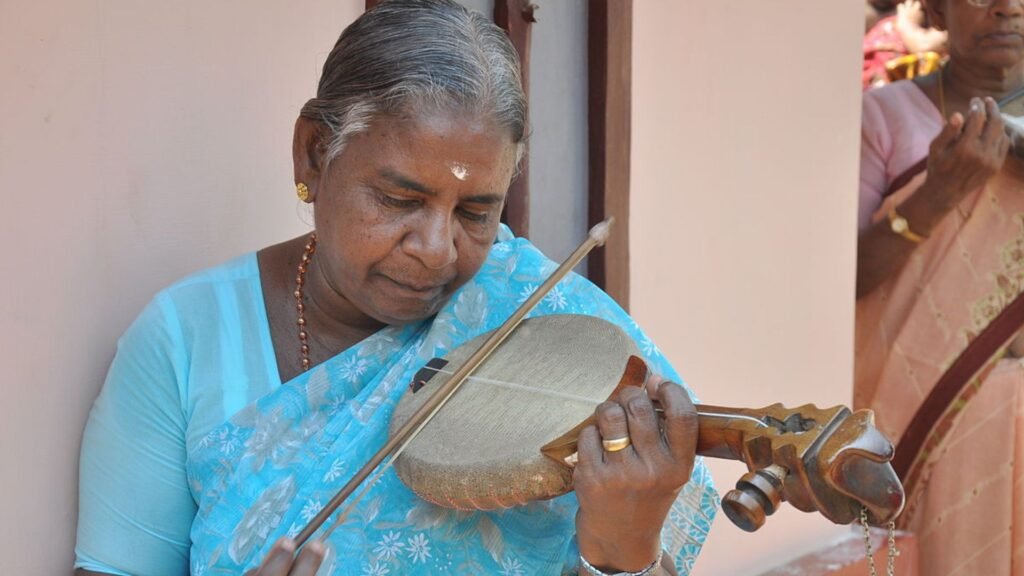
{"type": "Point", "coordinates": [432, 242]}
{"type": "Point", "coordinates": [1008, 8]}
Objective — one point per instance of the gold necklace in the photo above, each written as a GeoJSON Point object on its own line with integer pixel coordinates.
{"type": "Point", "coordinates": [300, 281]}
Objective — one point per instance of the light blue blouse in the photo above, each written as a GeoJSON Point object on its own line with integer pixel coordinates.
{"type": "Point", "coordinates": [177, 375]}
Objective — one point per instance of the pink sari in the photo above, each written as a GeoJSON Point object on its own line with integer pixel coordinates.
{"type": "Point", "coordinates": [966, 486]}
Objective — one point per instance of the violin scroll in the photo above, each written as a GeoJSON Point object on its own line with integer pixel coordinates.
{"type": "Point", "coordinates": [832, 461]}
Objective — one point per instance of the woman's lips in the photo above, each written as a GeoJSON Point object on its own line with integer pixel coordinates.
{"type": "Point", "coordinates": [1008, 37]}
{"type": "Point", "coordinates": [419, 290]}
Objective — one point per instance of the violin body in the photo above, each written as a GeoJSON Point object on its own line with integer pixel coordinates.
{"type": "Point", "coordinates": [483, 451]}
{"type": "Point", "coordinates": [508, 435]}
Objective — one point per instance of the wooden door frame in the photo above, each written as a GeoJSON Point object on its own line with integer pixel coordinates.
{"type": "Point", "coordinates": [610, 68]}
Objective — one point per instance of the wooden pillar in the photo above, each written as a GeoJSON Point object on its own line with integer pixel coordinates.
{"type": "Point", "coordinates": [610, 41]}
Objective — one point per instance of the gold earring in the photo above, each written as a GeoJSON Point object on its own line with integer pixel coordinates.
{"type": "Point", "coordinates": [302, 191]}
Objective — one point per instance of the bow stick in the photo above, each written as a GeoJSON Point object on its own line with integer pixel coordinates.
{"type": "Point", "coordinates": [394, 446]}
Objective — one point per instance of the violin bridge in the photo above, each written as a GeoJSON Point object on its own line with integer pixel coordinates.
{"type": "Point", "coordinates": [423, 375]}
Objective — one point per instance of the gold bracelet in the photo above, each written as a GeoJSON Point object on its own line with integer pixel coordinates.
{"type": "Point", "coordinates": [899, 225]}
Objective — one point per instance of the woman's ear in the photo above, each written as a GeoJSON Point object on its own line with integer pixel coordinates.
{"type": "Point", "coordinates": [308, 155]}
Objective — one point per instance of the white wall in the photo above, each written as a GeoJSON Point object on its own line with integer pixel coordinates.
{"type": "Point", "coordinates": [745, 151]}
{"type": "Point", "coordinates": [139, 140]}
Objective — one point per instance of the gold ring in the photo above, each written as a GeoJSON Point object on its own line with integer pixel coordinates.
{"type": "Point", "coordinates": [616, 444]}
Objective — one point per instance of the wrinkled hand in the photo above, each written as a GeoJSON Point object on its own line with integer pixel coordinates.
{"type": "Point", "coordinates": [625, 496]}
{"type": "Point", "coordinates": [967, 152]}
{"type": "Point", "coordinates": [281, 560]}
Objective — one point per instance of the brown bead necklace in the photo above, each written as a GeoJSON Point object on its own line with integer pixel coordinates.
{"type": "Point", "coordinates": [300, 281]}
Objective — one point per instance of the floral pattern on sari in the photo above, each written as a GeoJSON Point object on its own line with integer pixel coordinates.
{"type": "Point", "coordinates": [268, 470]}
{"type": "Point", "coordinates": [1008, 281]}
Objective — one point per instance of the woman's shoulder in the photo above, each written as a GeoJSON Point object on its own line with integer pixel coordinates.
{"type": "Point", "coordinates": [237, 277]}
{"type": "Point", "coordinates": [242, 268]}
{"type": "Point", "coordinates": [899, 122]}
{"type": "Point", "coordinates": [199, 302]}
{"type": "Point", "coordinates": [902, 92]}
{"type": "Point", "coordinates": [902, 103]}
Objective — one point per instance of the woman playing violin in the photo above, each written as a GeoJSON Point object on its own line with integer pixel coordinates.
{"type": "Point", "coordinates": [244, 396]}
{"type": "Point", "coordinates": [939, 259]}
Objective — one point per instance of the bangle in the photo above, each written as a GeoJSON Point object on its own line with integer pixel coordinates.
{"type": "Point", "coordinates": [650, 570]}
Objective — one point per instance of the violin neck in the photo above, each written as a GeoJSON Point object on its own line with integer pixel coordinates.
{"type": "Point", "coordinates": [723, 432]}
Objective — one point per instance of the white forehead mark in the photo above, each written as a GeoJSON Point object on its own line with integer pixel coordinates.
{"type": "Point", "coordinates": [460, 171]}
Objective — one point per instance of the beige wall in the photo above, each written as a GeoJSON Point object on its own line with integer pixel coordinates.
{"type": "Point", "coordinates": [138, 141]}
{"type": "Point", "coordinates": [745, 146]}
{"type": "Point", "coordinates": [143, 140]}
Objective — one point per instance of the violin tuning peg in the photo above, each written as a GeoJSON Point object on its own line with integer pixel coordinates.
{"type": "Point", "coordinates": [757, 495]}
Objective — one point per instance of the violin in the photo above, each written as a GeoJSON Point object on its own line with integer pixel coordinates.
{"type": "Point", "coordinates": [509, 435]}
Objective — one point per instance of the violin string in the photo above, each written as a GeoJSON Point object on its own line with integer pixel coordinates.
{"type": "Point", "coordinates": [523, 387]}
{"type": "Point", "coordinates": [582, 399]}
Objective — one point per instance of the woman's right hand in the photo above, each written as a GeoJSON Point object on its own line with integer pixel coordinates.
{"type": "Point", "coordinates": [967, 152]}
{"type": "Point", "coordinates": [281, 560]}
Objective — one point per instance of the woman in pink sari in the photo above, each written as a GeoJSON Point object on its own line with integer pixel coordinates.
{"type": "Point", "coordinates": [940, 269]}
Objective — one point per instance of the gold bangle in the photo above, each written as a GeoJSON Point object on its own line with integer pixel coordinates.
{"type": "Point", "coordinates": [899, 225]}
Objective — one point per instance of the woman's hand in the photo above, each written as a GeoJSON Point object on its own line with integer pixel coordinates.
{"type": "Point", "coordinates": [967, 153]}
{"type": "Point", "coordinates": [281, 560]}
{"type": "Point", "coordinates": [625, 495]}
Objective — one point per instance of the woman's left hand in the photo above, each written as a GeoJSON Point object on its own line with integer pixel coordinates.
{"type": "Point", "coordinates": [625, 495]}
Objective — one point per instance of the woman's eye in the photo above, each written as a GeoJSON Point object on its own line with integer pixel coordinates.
{"type": "Point", "coordinates": [397, 202]}
{"type": "Point", "coordinates": [474, 216]}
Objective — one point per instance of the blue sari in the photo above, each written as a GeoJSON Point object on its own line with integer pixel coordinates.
{"type": "Point", "coordinates": [269, 469]}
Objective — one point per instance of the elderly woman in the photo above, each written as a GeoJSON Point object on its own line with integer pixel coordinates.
{"type": "Point", "coordinates": [244, 396]}
{"type": "Point", "coordinates": [940, 256]}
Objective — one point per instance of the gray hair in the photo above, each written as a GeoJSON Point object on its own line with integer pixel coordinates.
{"type": "Point", "coordinates": [405, 54]}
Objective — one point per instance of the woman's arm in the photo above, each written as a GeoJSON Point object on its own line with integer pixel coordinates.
{"type": "Point", "coordinates": [135, 506]}
{"type": "Point", "coordinates": [881, 252]}
{"type": "Point", "coordinates": [961, 159]}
